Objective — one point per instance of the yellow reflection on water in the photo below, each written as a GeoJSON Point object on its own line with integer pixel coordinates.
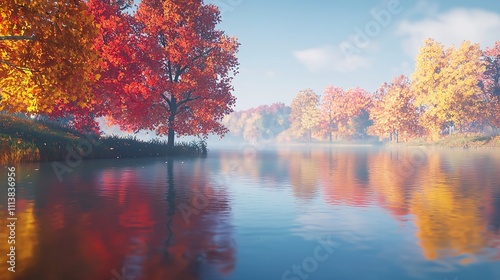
{"type": "Point", "coordinates": [448, 220]}
{"type": "Point", "coordinates": [25, 238]}
{"type": "Point", "coordinates": [447, 194]}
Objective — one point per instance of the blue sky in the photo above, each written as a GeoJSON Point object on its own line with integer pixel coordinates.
{"type": "Point", "coordinates": [287, 46]}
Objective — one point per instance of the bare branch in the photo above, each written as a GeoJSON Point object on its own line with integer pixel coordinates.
{"type": "Point", "coordinates": [17, 38]}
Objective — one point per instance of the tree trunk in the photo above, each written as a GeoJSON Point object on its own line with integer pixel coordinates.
{"type": "Point", "coordinates": [330, 126]}
{"type": "Point", "coordinates": [171, 132]}
{"type": "Point", "coordinates": [330, 130]}
{"type": "Point", "coordinates": [397, 136]}
{"type": "Point", "coordinates": [171, 136]}
{"type": "Point", "coordinates": [171, 119]}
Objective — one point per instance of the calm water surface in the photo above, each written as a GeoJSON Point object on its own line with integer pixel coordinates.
{"type": "Point", "coordinates": [252, 213]}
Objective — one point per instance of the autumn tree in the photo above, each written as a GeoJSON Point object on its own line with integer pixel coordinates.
{"type": "Point", "coordinates": [47, 60]}
{"type": "Point", "coordinates": [490, 83]}
{"type": "Point", "coordinates": [330, 109]}
{"type": "Point", "coordinates": [264, 122]}
{"type": "Point", "coordinates": [339, 109]}
{"type": "Point", "coordinates": [304, 114]}
{"type": "Point", "coordinates": [446, 86]}
{"type": "Point", "coordinates": [275, 119]}
{"type": "Point", "coordinates": [232, 122]}
{"type": "Point", "coordinates": [172, 71]}
{"type": "Point", "coordinates": [251, 131]}
{"type": "Point", "coordinates": [393, 112]}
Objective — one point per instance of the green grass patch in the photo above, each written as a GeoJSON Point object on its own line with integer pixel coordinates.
{"type": "Point", "coordinates": [23, 139]}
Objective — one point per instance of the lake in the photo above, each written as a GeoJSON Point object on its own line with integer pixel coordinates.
{"type": "Point", "coordinates": [260, 213]}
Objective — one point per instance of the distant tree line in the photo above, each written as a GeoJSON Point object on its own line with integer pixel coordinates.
{"type": "Point", "coordinates": [453, 90]}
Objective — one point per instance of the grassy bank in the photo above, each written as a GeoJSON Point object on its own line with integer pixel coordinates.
{"type": "Point", "coordinates": [456, 141]}
{"type": "Point", "coordinates": [24, 139]}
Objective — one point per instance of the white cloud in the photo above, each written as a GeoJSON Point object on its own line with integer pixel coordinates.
{"type": "Point", "coordinates": [452, 27]}
{"type": "Point", "coordinates": [270, 73]}
{"type": "Point", "coordinates": [330, 58]}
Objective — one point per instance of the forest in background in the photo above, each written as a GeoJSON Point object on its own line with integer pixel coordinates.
{"type": "Point", "coordinates": [453, 90]}
{"type": "Point", "coordinates": [165, 67]}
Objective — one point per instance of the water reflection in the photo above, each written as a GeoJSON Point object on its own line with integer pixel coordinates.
{"type": "Point", "coordinates": [25, 244]}
{"type": "Point", "coordinates": [416, 212]}
{"type": "Point", "coordinates": [107, 217]}
{"type": "Point", "coordinates": [451, 197]}
{"type": "Point", "coordinates": [303, 171]}
{"type": "Point", "coordinates": [345, 178]}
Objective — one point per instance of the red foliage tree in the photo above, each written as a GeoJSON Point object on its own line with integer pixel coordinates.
{"type": "Point", "coordinates": [167, 68]}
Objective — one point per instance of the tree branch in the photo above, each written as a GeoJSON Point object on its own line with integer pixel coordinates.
{"type": "Point", "coordinates": [17, 38]}
{"type": "Point", "coordinates": [166, 99]}
{"type": "Point", "coordinates": [22, 69]}
{"type": "Point", "coordinates": [177, 74]}
{"type": "Point", "coordinates": [169, 65]}
{"type": "Point", "coordinates": [184, 107]}
{"type": "Point", "coordinates": [181, 70]}
{"type": "Point", "coordinates": [188, 98]}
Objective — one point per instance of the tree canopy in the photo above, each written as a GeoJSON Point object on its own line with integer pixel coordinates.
{"type": "Point", "coordinates": [47, 59]}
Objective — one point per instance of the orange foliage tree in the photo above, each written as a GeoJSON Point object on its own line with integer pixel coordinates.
{"type": "Point", "coordinates": [340, 107]}
{"type": "Point", "coordinates": [393, 112]}
{"type": "Point", "coordinates": [47, 59]}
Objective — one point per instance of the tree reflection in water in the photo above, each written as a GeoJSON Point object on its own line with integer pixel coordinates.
{"type": "Point", "coordinates": [111, 217]}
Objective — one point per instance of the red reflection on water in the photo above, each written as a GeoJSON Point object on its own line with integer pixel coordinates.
{"type": "Point", "coordinates": [107, 220]}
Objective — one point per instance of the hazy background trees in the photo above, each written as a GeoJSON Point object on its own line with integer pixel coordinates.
{"type": "Point", "coordinates": [452, 90]}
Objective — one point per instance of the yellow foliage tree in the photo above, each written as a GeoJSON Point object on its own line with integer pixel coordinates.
{"type": "Point", "coordinates": [46, 55]}
{"type": "Point", "coordinates": [305, 113]}
{"type": "Point", "coordinates": [446, 86]}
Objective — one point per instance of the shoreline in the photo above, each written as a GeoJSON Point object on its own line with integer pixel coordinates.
{"type": "Point", "coordinates": [28, 140]}
{"type": "Point", "coordinates": [454, 141]}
